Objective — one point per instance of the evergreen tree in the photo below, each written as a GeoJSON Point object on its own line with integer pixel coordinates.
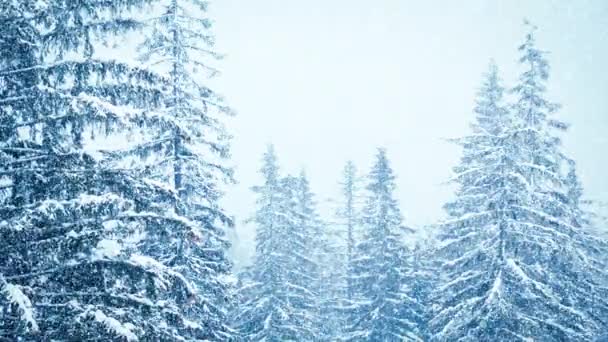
{"type": "Point", "coordinates": [331, 284]}
{"type": "Point", "coordinates": [470, 241]}
{"type": "Point", "coordinates": [17, 52]}
{"type": "Point", "coordinates": [384, 310]}
{"type": "Point", "coordinates": [279, 296]}
{"type": "Point", "coordinates": [555, 205]}
{"type": "Point", "coordinates": [349, 214]}
{"type": "Point", "coordinates": [70, 225]}
{"type": "Point", "coordinates": [184, 149]}
{"type": "Point", "coordinates": [262, 314]}
{"type": "Point", "coordinates": [420, 278]}
{"type": "Point", "coordinates": [342, 246]}
{"type": "Point", "coordinates": [305, 246]}
{"type": "Point", "coordinates": [192, 143]}
{"type": "Point", "coordinates": [516, 265]}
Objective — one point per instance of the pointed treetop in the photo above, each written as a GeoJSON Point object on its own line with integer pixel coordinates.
{"type": "Point", "coordinates": [381, 158]}
{"type": "Point", "coordinates": [492, 77]}
{"type": "Point", "coordinates": [350, 167]}
{"type": "Point", "coordinates": [490, 111]}
{"type": "Point", "coordinates": [532, 55]}
{"type": "Point", "coordinates": [381, 171]}
{"type": "Point", "coordinates": [492, 85]}
{"type": "Point", "coordinates": [350, 176]}
{"type": "Point", "coordinates": [270, 166]}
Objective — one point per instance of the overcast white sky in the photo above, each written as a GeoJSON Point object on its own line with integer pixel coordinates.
{"type": "Point", "coordinates": [330, 80]}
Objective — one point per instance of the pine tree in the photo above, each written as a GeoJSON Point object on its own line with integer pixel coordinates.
{"type": "Point", "coordinates": [185, 150]}
{"type": "Point", "coordinates": [263, 311]}
{"type": "Point", "coordinates": [471, 265]}
{"type": "Point", "coordinates": [349, 214]}
{"type": "Point", "coordinates": [420, 277]}
{"type": "Point", "coordinates": [331, 283]}
{"type": "Point", "coordinates": [515, 265]}
{"type": "Point", "coordinates": [188, 125]}
{"type": "Point", "coordinates": [555, 205]}
{"type": "Point", "coordinates": [17, 52]}
{"type": "Point", "coordinates": [384, 311]}
{"type": "Point", "coordinates": [303, 246]}
{"type": "Point", "coordinates": [342, 244]}
{"type": "Point", "coordinates": [279, 297]}
{"type": "Point", "coordinates": [70, 225]}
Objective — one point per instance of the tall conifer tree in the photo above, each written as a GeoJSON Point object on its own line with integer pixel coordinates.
{"type": "Point", "coordinates": [517, 263]}
{"type": "Point", "coordinates": [280, 290]}
{"type": "Point", "coordinates": [71, 225]}
{"type": "Point", "coordinates": [185, 149]}
{"type": "Point", "coordinates": [384, 310]}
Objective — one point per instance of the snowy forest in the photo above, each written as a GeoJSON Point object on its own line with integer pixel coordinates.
{"type": "Point", "coordinates": [114, 169]}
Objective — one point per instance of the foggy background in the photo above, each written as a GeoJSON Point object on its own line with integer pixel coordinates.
{"type": "Point", "coordinates": [331, 80]}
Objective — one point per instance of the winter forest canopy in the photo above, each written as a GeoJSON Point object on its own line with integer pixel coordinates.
{"type": "Point", "coordinates": [116, 162]}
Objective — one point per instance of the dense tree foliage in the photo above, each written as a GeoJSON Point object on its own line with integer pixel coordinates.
{"type": "Point", "coordinates": [384, 310]}
{"type": "Point", "coordinates": [280, 292]}
{"type": "Point", "coordinates": [79, 232]}
{"type": "Point", "coordinates": [518, 262]}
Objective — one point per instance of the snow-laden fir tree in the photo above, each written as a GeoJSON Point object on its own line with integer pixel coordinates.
{"type": "Point", "coordinates": [17, 52]}
{"type": "Point", "coordinates": [420, 277]}
{"type": "Point", "coordinates": [70, 226]}
{"type": "Point", "coordinates": [331, 283]}
{"type": "Point", "coordinates": [278, 294]}
{"type": "Point", "coordinates": [471, 243]}
{"type": "Point", "coordinates": [349, 214]}
{"type": "Point", "coordinates": [188, 127]}
{"type": "Point", "coordinates": [321, 271]}
{"type": "Point", "coordinates": [517, 265]}
{"type": "Point", "coordinates": [341, 242]}
{"type": "Point", "coordinates": [384, 310]}
{"type": "Point", "coordinates": [185, 149]}
{"type": "Point", "coordinates": [262, 310]}
{"type": "Point", "coordinates": [304, 241]}
{"type": "Point", "coordinates": [555, 204]}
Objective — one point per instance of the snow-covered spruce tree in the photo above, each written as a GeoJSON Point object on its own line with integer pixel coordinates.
{"type": "Point", "coordinates": [420, 278]}
{"type": "Point", "coordinates": [384, 310]}
{"type": "Point", "coordinates": [17, 52]}
{"type": "Point", "coordinates": [323, 275]}
{"type": "Point", "coordinates": [262, 310]}
{"type": "Point", "coordinates": [278, 293]}
{"type": "Point", "coordinates": [470, 244]}
{"type": "Point", "coordinates": [185, 148]}
{"type": "Point", "coordinates": [70, 226]}
{"type": "Point", "coordinates": [348, 213]}
{"type": "Point", "coordinates": [304, 246]}
{"type": "Point", "coordinates": [331, 283]}
{"type": "Point", "coordinates": [516, 264]}
{"type": "Point", "coordinates": [342, 244]}
{"type": "Point", "coordinates": [576, 283]}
